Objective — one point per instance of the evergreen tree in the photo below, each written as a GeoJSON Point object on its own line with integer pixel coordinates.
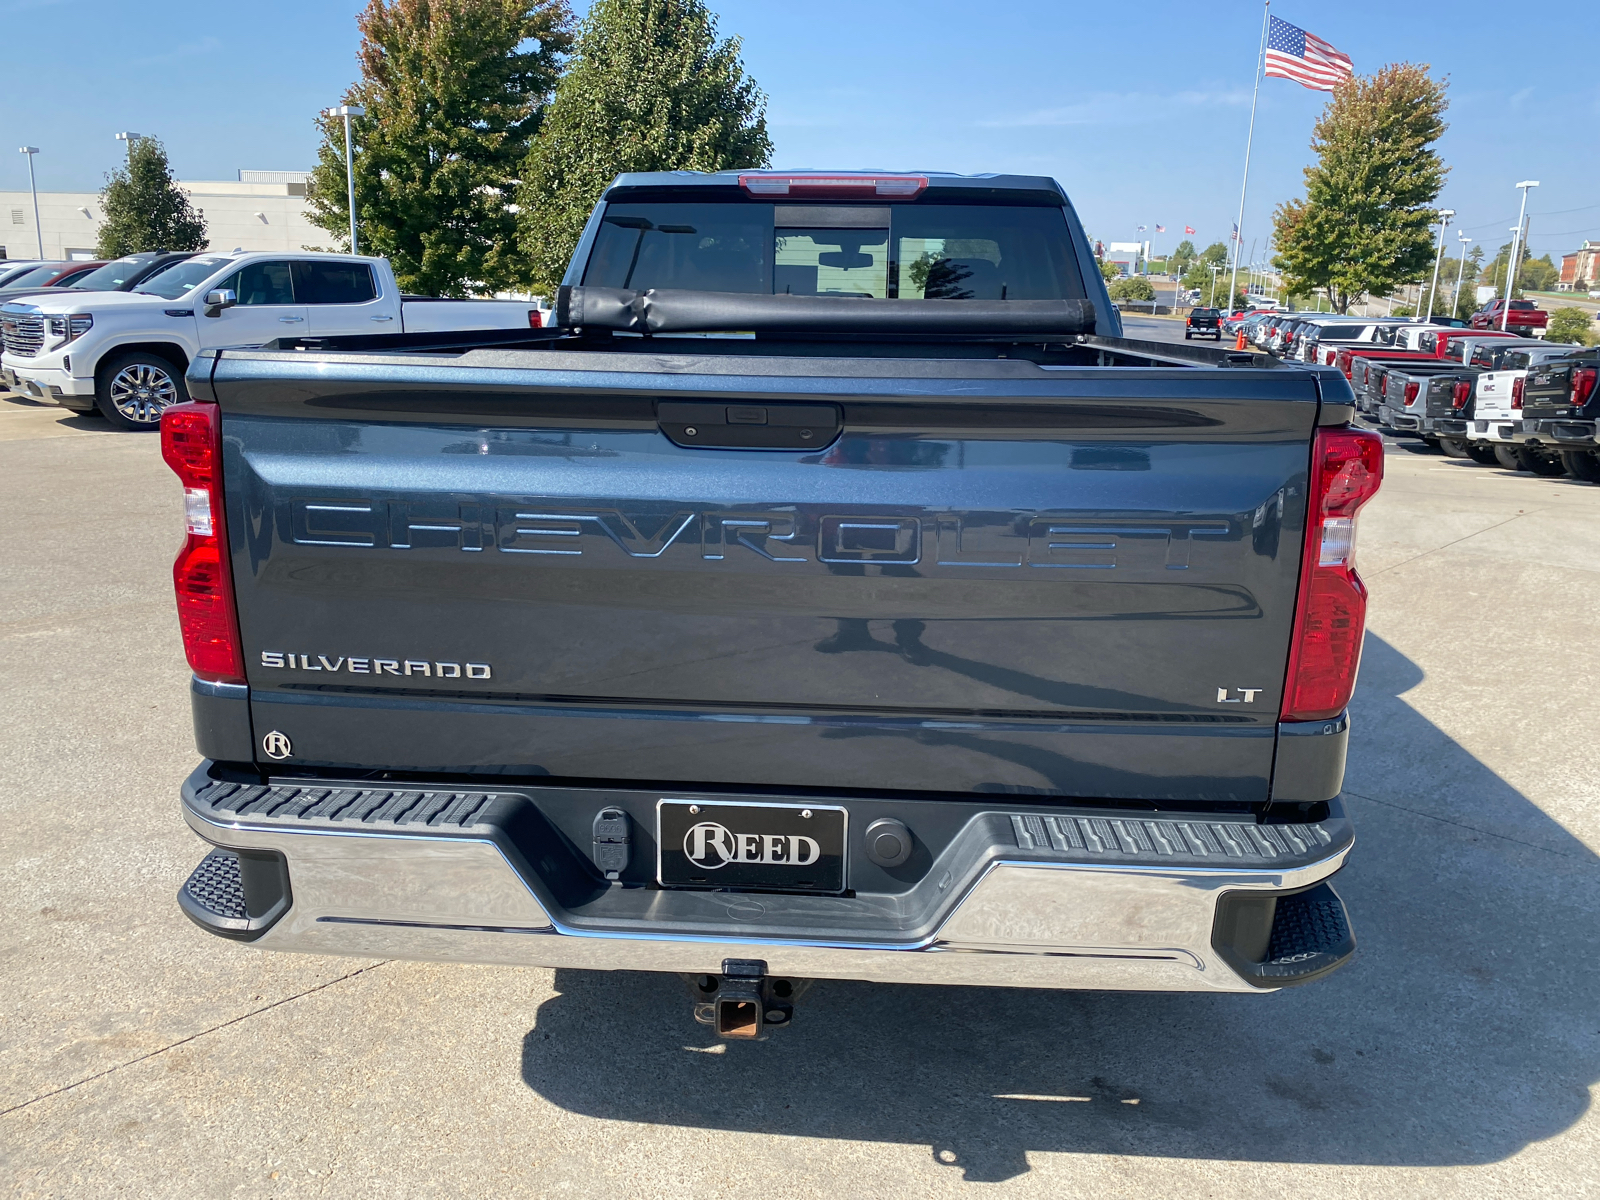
{"type": "Point", "coordinates": [454, 91]}
{"type": "Point", "coordinates": [143, 209]}
{"type": "Point", "coordinates": [651, 89]}
{"type": "Point", "coordinates": [1363, 227]}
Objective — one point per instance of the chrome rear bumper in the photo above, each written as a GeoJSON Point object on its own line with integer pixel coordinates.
{"type": "Point", "coordinates": [1139, 913]}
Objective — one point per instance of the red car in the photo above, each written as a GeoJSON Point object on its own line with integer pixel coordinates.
{"type": "Point", "coordinates": [1525, 316]}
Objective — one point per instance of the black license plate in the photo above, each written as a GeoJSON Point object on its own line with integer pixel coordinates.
{"type": "Point", "coordinates": [767, 847]}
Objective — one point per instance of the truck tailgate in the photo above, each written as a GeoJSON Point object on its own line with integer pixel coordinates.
{"type": "Point", "coordinates": [997, 577]}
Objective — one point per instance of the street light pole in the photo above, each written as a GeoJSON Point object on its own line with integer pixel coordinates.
{"type": "Point", "coordinates": [1215, 269]}
{"type": "Point", "coordinates": [130, 139]}
{"type": "Point", "coordinates": [1516, 252]}
{"type": "Point", "coordinates": [1455, 300]}
{"type": "Point", "coordinates": [347, 111]}
{"type": "Point", "coordinates": [1433, 292]}
{"type": "Point", "coordinates": [38, 229]}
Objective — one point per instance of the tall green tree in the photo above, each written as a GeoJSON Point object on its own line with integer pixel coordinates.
{"type": "Point", "coordinates": [1533, 274]}
{"type": "Point", "coordinates": [1362, 228]}
{"type": "Point", "coordinates": [142, 208]}
{"type": "Point", "coordinates": [651, 89]}
{"type": "Point", "coordinates": [1197, 274]}
{"type": "Point", "coordinates": [454, 92]}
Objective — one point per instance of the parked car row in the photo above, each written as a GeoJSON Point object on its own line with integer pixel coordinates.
{"type": "Point", "coordinates": [1493, 395]}
{"type": "Point", "coordinates": [119, 338]}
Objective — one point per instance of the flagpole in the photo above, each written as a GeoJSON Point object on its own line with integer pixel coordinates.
{"type": "Point", "coordinates": [1238, 236]}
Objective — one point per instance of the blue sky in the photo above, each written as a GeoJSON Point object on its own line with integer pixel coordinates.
{"type": "Point", "coordinates": [1140, 111]}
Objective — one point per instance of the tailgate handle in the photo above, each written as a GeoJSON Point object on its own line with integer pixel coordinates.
{"type": "Point", "coordinates": [722, 426]}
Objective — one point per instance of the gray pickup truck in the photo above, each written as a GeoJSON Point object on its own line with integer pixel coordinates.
{"type": "Point", "coordinates": [832, 593]}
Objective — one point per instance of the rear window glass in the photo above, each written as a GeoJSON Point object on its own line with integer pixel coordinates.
{"type": "Point", "coordinates": [922, 251]}
{"type": "Point", "coordinates": [1523, 304]}
{"type": "Point", "coordinates": [1336, 333]}
{"type": "Point", "coordinates": [333, 283]}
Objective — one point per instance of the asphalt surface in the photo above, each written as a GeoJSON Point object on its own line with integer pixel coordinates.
{"type": "Point", "coordinates": [1457, 1056]}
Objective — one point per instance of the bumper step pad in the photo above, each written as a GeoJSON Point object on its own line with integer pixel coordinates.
{"type": "Point", "coordinates": [236, 894]}
{"type": "Point", "coordinates": [1310, 936]}
{"type": "Point", "coordinates": [447, 812]}
{"type": "Point", "coordinates": [215, 889]}
{"type": "Point", "coordinates": [1280, 940]}
{"type": "Point", "coordinates": [1212, 843]}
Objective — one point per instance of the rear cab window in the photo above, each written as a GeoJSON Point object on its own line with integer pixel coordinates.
{"type": "Point", "coordinates": [322, 282]}
{"type": "Point", "coordinates": [882, 251]}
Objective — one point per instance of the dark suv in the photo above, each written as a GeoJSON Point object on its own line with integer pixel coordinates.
{"type": "Point", "coordinates": [1203, 321]}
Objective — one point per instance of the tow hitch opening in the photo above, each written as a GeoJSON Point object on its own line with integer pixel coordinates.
{"type": "Point", "coordinates": [744, 1002]}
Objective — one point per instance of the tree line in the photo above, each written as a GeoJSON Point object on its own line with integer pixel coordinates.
{"type": "Point", "coordinates": [492, 126]}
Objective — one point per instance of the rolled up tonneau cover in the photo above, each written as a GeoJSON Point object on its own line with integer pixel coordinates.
{"type": "Point", "coordinates": [680, 311]}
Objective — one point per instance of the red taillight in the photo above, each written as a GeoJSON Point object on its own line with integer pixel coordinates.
{"type": "Point", "coordinates": [1460, 393]}
{"type": "Point", "coordinates": [1331, 612]}
{"type": "Point", "coordinates": [191, 443]}
{"type": "Point", "coordinates": [535, 321]}
{"type": "Point", "coordinates": [1411, 393]}
{"type": "Point", "coordinates": [1516, 392]}
{"type": "Point", "coordinates": [1342, 361]}
{"type": "Point", "coordinates": [778, 183]}
{"type": "Point", "coordinates": [1582, 384]}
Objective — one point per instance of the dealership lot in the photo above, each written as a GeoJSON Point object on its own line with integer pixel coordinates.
{"type": "Point", "coordinates": [1458, 1055]}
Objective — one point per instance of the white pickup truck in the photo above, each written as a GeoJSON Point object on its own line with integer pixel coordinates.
{"type": "Point", "coordinates": [1497, 405]}
{"type": "Point", "coordinates": [125, 353]}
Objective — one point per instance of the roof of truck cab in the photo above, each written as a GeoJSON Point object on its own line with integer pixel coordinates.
{"type": "Point", "coordinates": [1028, 189]}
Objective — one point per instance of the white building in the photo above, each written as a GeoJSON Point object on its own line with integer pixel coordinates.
{"type": "Point", "coordinates": [261, 210]}
{"type": "Point", "coordinates": [1128, 255]}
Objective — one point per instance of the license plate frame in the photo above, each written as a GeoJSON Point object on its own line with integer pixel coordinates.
{"type": "Point", "coordinates": [766, 841]}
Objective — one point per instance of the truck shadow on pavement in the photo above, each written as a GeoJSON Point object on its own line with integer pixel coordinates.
{"type": "Point", "coordinates": [1464, 1030]}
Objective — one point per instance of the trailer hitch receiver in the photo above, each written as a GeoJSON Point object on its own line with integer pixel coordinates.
{"type": "Point", "coordinates": [744, 1002]}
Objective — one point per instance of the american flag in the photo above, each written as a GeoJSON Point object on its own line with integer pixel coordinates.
{"type": "Point", "coordinates": [1292, 53]}
{"type": "Point", "coordinates": [1161, 228]}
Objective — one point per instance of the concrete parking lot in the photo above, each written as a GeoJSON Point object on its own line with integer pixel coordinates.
{"type": "Point", "coordinates": [1458, 1055]}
